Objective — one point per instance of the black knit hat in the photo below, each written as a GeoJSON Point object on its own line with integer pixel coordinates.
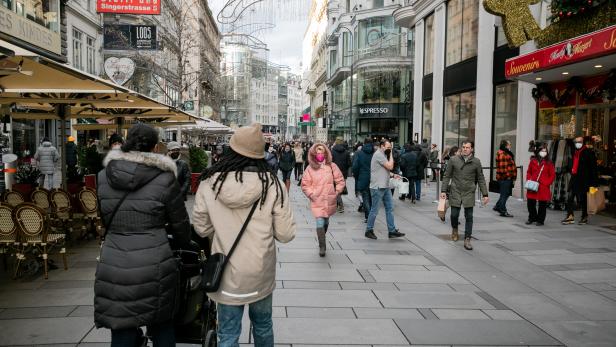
{"type": "Point", "coordinates": [141, 138]}
{"type": "Point", "coordinates": [115, 138]}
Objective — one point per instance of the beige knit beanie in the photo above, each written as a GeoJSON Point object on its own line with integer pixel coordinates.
{"type": "Point", "coordinates": [249, 142]}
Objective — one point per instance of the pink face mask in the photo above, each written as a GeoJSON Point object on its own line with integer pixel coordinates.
{"type": "Point", "coordinates": [320, 157]}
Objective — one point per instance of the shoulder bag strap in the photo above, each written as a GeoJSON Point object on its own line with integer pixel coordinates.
{"type": "Point", "coordinates": [540, 172]}
{"type": "Point", "coordinates": [117, 207]}
{"type": "Point", "coordinates": [239, 236]}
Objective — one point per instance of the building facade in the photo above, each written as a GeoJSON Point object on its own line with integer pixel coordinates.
{"type": "Point", "coordinates": [85, 36]}
{"type": "Point", "coordinates": [295, 100]}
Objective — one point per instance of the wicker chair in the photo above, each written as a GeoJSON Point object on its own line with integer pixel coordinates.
{"type": "Point", "coordinates": [89, 207]}
{"type": "Point", "coordinates": [62, 210]}
{"type": "Point", "coordinates": [9, 241]}
{"type": "Point", "coordinates": [34, 237]}
{"type": "Point", "coordinates": [40, 197]}
{"type": "Point", "coordinates": [13, 198]}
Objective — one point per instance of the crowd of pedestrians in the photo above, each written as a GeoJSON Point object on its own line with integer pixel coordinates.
{"type": "Point", "coordinates": [142, 196]}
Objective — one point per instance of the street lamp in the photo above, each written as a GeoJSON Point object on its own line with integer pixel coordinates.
{"type": "Point", "coordinates": [351, 83]}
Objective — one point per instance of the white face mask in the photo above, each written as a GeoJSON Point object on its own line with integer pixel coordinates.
{"type": "Point", "coordinates": [578, 145]}
{"type": "Point", "coordinates": [543, 154]}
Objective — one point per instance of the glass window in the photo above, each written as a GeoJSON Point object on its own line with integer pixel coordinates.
{"type": "Point", "coordinates": [459, 118]}
{"type": "Point", "coordinates": [44, 12]}
{"type": "Point", "coordinates": [501, 38]}
{"type": "Point", "coordinates": [410, 46]}
{"type": "Point", "coordinates": [429, 45]}
{"type": "Point", "coordinates": [381, 86]}
{"type": "Point", "coordinates": [78, 49]}
{"type": "Point", "coordinates": [378, 36]}
{"type": "Point", "coordinates": [462, 30]}
{"type": "Point", "coordinates": [378, 3]}
{"type": "Point", "coordinates": [426, 130]}
{"type": "Point", "coordinates": [505, 114]}
{"type": "Point", "coordinates": [347, 49]}
{"type": "Point", "coordinates": [333, 61]}
{"type": "Point", "coordinates": [91, 60]}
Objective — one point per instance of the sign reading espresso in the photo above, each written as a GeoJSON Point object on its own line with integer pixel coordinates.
{"type": "Point", "coordinates": [24, 29]}
{"type": "Point", "coordinates": [373, 110]}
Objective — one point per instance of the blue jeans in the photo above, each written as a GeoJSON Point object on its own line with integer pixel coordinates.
{"type": "Point", "coordinates": [367, 201]}
{"type": "Point", "coordinates": [418, 189]}
{"type": "Point", "coordinates": [162, 335]}
{"type": "Point", "coordinates": [230, 323]}
{"type": "Point", "coordinates": [322, 222]}
{"type": "Point", "coordinates": [504, 187]}
{"type": "Point", "coordinates": [468, 219]}
{"type": "Point", "coordinates": [378, 195]}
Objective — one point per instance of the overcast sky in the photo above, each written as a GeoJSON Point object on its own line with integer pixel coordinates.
{"type": "Point", "coordinates": [284, 41]}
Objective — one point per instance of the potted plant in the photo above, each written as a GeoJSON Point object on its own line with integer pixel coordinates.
{"type": "Point", "coordinates": [27, 178]}
{"type": "Point", "coordinates": [198, 163]}
{"type": "Point", "coordinates": [91, 163]}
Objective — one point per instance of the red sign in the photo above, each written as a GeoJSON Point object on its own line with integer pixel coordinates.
{"type": "Point", "coordinates": [151, 7]}
{"type": "Point", "coordinates": [598, 43]}
{"type": "Point", "coordinates": [306, 117]}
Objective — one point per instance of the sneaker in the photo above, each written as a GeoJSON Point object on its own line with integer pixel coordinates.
{"type": "Point", "coordinates": [569, 220]}
{"type": "Point", "coordinates": [360, 208]}
{"type": "Point", "coordinates": [506, 214]}
{"type": "Point", "coordinates": [454, 234]}
{"type": "Point", "coordinates": [495, 209]}
{"type": "Point", "coordinates": [467, 244]}
{"type": "Point", "coordinates": [395, 234]}
{"type": "Point", "coordinates": [583, 221]}
{"type": "Point", "coordinates": [529, 222]}
{"type": "Point", "coordinates": [539, 224]}
{"type": "Point", "coordinates": [370, 234]}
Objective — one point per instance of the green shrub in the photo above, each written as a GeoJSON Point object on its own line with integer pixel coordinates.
{"type": "Point", "coordinates": [198, 159]}
{"type": "Point", "coordinates": [27, 174]}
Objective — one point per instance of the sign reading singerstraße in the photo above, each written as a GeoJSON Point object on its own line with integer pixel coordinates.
{"type": "Point", "coordinates": [24, 29]}
{"type": "Point", "coordinates": [147, 7]}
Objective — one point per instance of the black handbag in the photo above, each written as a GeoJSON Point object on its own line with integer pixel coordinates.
{"type": "Point", "coordinates": [214, 266]}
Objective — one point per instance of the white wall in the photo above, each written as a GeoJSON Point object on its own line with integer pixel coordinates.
{"type": "Point", "coordinates": [440, 17]}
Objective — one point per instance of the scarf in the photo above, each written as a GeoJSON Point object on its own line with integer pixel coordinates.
{"type": "Point", "coordinates": [576, 160]}
{"type": "Point", "coordinates": [506, 150]}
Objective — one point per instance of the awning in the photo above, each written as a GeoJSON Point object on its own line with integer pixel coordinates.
{"type": "Point", "coordinates": [586, 55]}
{"type": "Point", "coordinates": [208, 127]}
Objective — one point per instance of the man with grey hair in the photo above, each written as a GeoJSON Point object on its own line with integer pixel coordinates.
{"type": "Point", "coordinates": [184, 174]}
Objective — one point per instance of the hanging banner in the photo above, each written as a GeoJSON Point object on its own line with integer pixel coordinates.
{"type": "Point", "coordinates": [119, 70]}
{"type": "Point", "coordinates": [145, 7]}
{"type": "Point", "coordinates": [141, 37]}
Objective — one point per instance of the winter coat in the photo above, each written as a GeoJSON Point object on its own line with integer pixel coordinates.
{"type": "Point", "coordinates": [251, 271]}
{"type": "Point", "coordinates": [434, 159]}
{"type": "Point", "coordinates": [46, 157]}
{"type": "Point", "coordinates": [545, 180]}
{"type": "Point", "coordinates": [342, 158]}
{"type": "Point", "coordinates": [361, 167]}
{"type": "Point", "coordinates": [184, 177]}
{"type": "Point", "coordinates": [272, 161]}
{"type": "Point", "coordinates": [71, 154]}
{"type": "Point", "coordinates": [505, 166]}
{"type": "Point", "coordinates": [137, 274]}
{"type": "Point", "coordinates": [587, 175]}
{"type": "Point", "coordinates": [318, 184]}
{"type": "Point", "coordinates": [396, 154]}
{"type": "Point", "coordinates": [408, 165]}
{"type": "Point", "coordinates": [287, 161]}
{"type": "Point", "coordinates": [461, 179]}
{"type": "Point", "coordinates": [422, 163]}
{"type": "Point", "coordinates": [299, 155]}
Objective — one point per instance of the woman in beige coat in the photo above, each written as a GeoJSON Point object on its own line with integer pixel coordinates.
{"type": "Point", "coordinates": [228, 191]}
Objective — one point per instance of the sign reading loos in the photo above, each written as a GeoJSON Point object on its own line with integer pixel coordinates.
{"type": "Point", "coordinates": [29, 31]}
{"type": "Point", "coordinates": [151, 7]}
{"type": "Point", "coordinates": [598, 43]}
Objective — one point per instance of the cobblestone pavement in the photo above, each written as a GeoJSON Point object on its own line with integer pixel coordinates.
{"type": "Point", "coordinates": [521, 286]}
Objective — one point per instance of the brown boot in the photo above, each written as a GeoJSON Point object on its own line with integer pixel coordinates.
{"type": "Point", "coordinates": [467, 244]}
{"type": "Point", "coordinates": [321, 238]}
{"type": "Point", "coordinates": [454, 234]}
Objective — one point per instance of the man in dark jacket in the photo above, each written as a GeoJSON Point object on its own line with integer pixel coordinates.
{"type": "Point", "coordinates": [408, 166]}
{"type": "Point", "coordinates": [136, 277]}
{"type": "Point", "coordinates": [422, 163]}
{"type": "Point", "coordinates": [342, 158]}
{"type": "Point", "coordinates": [71, 157]}
{"type": "Point", "coordinates": [361, 172]}
{"type": "Point", "coordinates": [583, 176]}
{"type": "Point", "coordinates": [184, 174]}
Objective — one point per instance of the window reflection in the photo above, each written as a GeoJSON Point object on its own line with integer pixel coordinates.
{"type": "Point", "coordinates": [429, 45]}
{"type": "Point", "coordinates": [381, 86]}
{"type": "Point", "coordinates": [505, 114]}
{"type": "Point", "coordinates": [427, 121]}
{"type": "Point", "coordinates": [459, 118]}
{"type": "Point", "coordinates": [462, 30]}
{"type": "Point", "coordinates": [44, 12]}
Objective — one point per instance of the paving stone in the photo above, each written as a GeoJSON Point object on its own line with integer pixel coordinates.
{"type": "Point", "coordinates": [67, 284]}
{"type": "Point", "coordinates": [304, 266]}
{"type": "Point", "coordinates": [338, 266]}
{"type": "Point", "coordinates": [343, 331]}
{"type": "Point", "coordinates": [609, 294]}
{"type": "Point", "coordinates": [36, 312]}
{"type": "Point", "coordinates": [459, 314]}
{"type": "Point", "coordinates": [589, 276]}
{"type": "Point", "coordinates": [492, 301]}
{"type": "Point", "coordinates": [387, 313]}
{"type": "Point", "coordinates": [52, 297]}
{"type": "Point", "coordinates": [423, 287]}
{"type": "Point", "coordinates": [367, 286]}
{"type": "Point", "coordinates": [391, 299]}
{"type": "Point", "coordinates": [312, 256]}
{"type": "Point", "coordinates": [591, 250]}
{"type": "Point", "coordinates": [596, 287]}
{"type": "Point", "coordinates": [589, 266]}
{"type": "Point", "coordinates": [537, 307]}
{"type": "Point", "coordinates": [476, 332]}
{"type": "Point", "coordinates": [76, 274]}
{"type": "Point", "coordinates": [389, 259]}
{"type": "Point", "coordinates": [591, 305]}
{"type": "Point", "coordinates": [427, 314]}
{"type": "Point", "coordinates": [581, 333]}
{"type": "Point", "coordinates": [83, 311]}
{"type": "Point", "coordinates": [319, 275]}
{"type": "Point", "coordinates": [325, 298]}
{"type": "Point", "coordinates": [387, 267]}
{"type": "Point", "coordinates": [417, 277]}
{"type": "Point", "coordinates": [311, 285]}
{"type": "Point", "coordinates": [544, 281]}
{"type": "Point", "coordinates": [502, 315]}
{"type": "Point", "coordinates": [44, 330]}
{"type": "Point", "coordinates": [465, 288]}
{"type": "Point", "coordinates": [567, 259]}
{"type": "Point", "coordinates": [320, 312]}
{"type": "Point", "coordinates": [496, 282]}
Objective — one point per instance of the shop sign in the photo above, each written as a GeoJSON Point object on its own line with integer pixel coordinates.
{"type": "Point", "coordinates": [119, 70]}
{"type": "Point", "coordinates": [189, 105]}
{"type": "Point", "coordinates": [382, 111]}
{"type": "Point", "coordinates": [24, 29]}
{"type": "Point", "coordinates": [144, 7]}
{"type": "Point", "coordinates": [598, 43]}
{"type": "Point", "coordinates": [141, 37]}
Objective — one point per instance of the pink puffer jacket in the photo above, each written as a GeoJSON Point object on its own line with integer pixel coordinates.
{"type": "Point", "coordinates": [318, 184]}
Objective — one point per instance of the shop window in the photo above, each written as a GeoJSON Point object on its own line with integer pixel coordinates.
{"type": "Point", "coordinates": [426, 127]}
{"type": "Point", "coordinates": [459, 118]}
{"type": "Point", "coordinates": [429, 45]}
{"type": "Point", "coordinates": [505, 116]}
{"type": "Point", "coordinates": [381, 86]}
{"type": "Point", "coordinates": [91, 56]}
{"type": "Point", "coordinates": [78, 49]}
{"type": "Point", "coordinates": [24, 138]}
{"type": "Point", "coordinates": [378, 36]}
{"type": "Point", "coordinates": [44, 12]}
{"type": "Point", "coordinates": [462, 30]}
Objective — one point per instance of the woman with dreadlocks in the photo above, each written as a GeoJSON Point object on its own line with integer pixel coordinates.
{"type": "Point", "coordinates": [322, 183]}
{"type": "Point", "coordinates": [228, 192]}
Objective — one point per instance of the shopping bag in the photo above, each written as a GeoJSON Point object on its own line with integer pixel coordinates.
{"type": "Point", "coordinates": [443, 205]}
{"type": "Point", "coordinates": [403, 186]}
{"type": "Point", "coordinates": [596, 201]}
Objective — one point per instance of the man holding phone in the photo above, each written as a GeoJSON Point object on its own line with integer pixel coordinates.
{"type": "Point", "coordinates": [463, 174]}
{"type": "Point", "coordinates": [380, 171]}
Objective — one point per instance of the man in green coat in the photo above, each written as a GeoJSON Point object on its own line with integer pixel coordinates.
{"type": "Point", "coordinates": [460, 181]}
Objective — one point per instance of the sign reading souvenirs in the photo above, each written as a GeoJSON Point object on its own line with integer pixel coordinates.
{"type": "Point", "coordinates": [147, 7]}
{"type": "Point", "coordinates": [598, 43]}
{"type": "Point", "coordinates": [29, 31]}
{"type": "Point", "coordinates": [142, 37]}
{"type": "Point", "coordinates": [119, 70]}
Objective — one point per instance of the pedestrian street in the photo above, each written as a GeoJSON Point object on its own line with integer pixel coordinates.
{"type": "Point", "coordinates": [520, 286]}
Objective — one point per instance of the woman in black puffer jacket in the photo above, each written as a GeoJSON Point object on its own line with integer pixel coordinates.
{"type": "Point", "coordinates": [136, 276]}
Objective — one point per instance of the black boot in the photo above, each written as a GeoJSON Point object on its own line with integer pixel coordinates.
{"type": "Point", "coordinates": [321, 238]}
